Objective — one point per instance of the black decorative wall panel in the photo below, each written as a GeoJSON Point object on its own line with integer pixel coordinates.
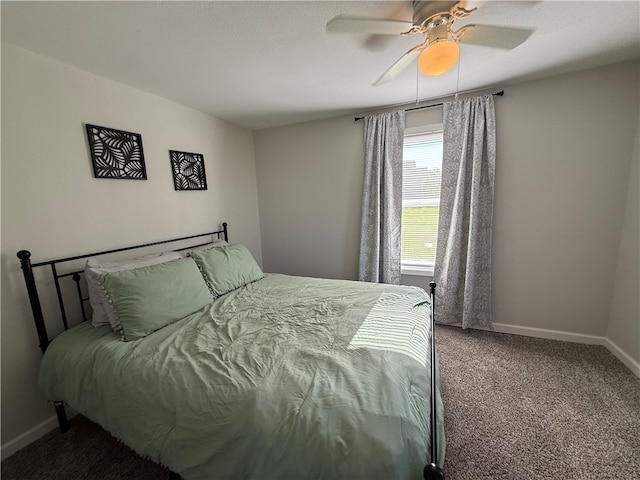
{"type": "Point", "coordinates": [116, 153]}
{"type": "Point", "coordinates": [188, 171]}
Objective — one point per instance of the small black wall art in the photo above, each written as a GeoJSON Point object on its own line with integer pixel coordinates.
{"type": "Point", "coordinates": [188, 170]}
{"type": "Point", "coordinates": [116, 154]}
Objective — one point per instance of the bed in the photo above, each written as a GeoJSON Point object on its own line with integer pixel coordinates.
{"type": "Point", "coordinates": [265, 376]}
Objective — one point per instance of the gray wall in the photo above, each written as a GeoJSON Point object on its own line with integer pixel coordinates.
{"type": "Point", "coordinates": [309, 190]}
{"type": "Point", "coordinates": [52, 205]}
{"type": "Point", "coordinates": [565, 146]}
{"type": "Point", "coordinates": [564, 155]}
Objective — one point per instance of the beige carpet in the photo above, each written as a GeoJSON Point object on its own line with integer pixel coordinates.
{"type": "Point", "coordinates": [526, 408]}
{"type": "Point", "coordinates": [516, 408]}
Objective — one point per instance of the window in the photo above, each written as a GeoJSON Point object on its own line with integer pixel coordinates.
{"type": "Point", "coordinates": [421, 175]}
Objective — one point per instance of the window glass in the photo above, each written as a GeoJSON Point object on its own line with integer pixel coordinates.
{"type": "Point", "coordinates": [421, 175]}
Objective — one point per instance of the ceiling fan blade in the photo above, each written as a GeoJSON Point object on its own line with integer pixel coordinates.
{"type": "Point", "coordinates": [493, 36]}
{"type": "Point", "coordinates": [403, 62]}
{"type": "Point", "coordinates": [381, 26]}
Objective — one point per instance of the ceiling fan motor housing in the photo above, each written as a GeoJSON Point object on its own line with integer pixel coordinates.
{"type": "Point", "coordinates": [438, 32]}
{"type": "Point", "coordinates": [423, 10]}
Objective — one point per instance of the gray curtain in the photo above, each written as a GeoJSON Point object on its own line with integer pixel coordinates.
{"type": "Point", "coordinates": [463, 259]}
{"type": "Point", "coordinates": [382, 198]}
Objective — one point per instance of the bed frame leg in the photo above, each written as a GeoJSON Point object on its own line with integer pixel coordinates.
{"type": "Point", "coordinates": [433, 472]}
{"type": "Point", "coordinates": [63, 421]}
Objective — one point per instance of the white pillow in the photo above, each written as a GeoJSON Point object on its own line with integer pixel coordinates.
{"type": "Point", "coordinates": [215, 243]}
{"type": "Point", "coordinates": [103, 313]}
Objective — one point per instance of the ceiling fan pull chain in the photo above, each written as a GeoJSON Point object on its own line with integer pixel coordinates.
{"type": "Point", "coordinates": [417, 83]}
{"type": "Point", "coordinates": [458, 78]}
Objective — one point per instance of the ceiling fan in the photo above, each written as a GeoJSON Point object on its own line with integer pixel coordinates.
{"type": "Point", "coordinates": [439, 51]}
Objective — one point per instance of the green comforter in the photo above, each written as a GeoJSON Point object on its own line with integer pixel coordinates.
{"type": "Point", "coordinates": [287, 377]}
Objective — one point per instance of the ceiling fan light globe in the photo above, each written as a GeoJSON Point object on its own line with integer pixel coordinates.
{"type": "Point", "coordinates": [438, 58]}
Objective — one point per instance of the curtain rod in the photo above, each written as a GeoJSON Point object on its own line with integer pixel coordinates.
{"type": "Point", "coordinates": [497, 94]}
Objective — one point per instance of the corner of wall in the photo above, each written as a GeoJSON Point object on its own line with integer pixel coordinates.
{"type": "Point", "coordinates": [623, 328]}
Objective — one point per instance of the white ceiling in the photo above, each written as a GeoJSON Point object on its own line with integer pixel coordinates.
{"type": "Point", "coordinates": [270, 63]}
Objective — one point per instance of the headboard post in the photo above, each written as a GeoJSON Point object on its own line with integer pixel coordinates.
{"type": "Point", "coordinates": [25, 264]}
{"type": "Point", "coordinates": [224, 229]}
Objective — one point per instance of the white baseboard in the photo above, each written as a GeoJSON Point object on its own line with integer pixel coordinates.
{"type": "Point", "coordinates": [12, 446]}
{"type": "Point", "coordinates": [550, 334]}
{"type": "Point", "coordinates": [620, 354]}
{"type": "Point", "coordinates": [30, 436]}
{"type": "Point", "coordinates": [623, 356]}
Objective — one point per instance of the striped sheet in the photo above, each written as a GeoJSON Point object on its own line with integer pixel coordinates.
{"type": "Point", "coordinates": [398, 323]}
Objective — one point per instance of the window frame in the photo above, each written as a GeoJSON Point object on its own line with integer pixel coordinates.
{"type": "Point", "coordinates": [406, 267]}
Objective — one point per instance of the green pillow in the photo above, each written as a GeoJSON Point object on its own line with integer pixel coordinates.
{"type": "Point", "coordinates": [227, 268]}
{"type": "Point", "coordinates": [148, 298]}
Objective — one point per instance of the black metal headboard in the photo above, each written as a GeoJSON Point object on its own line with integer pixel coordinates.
{"type": "Point", "coordinates": [32, 289]}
